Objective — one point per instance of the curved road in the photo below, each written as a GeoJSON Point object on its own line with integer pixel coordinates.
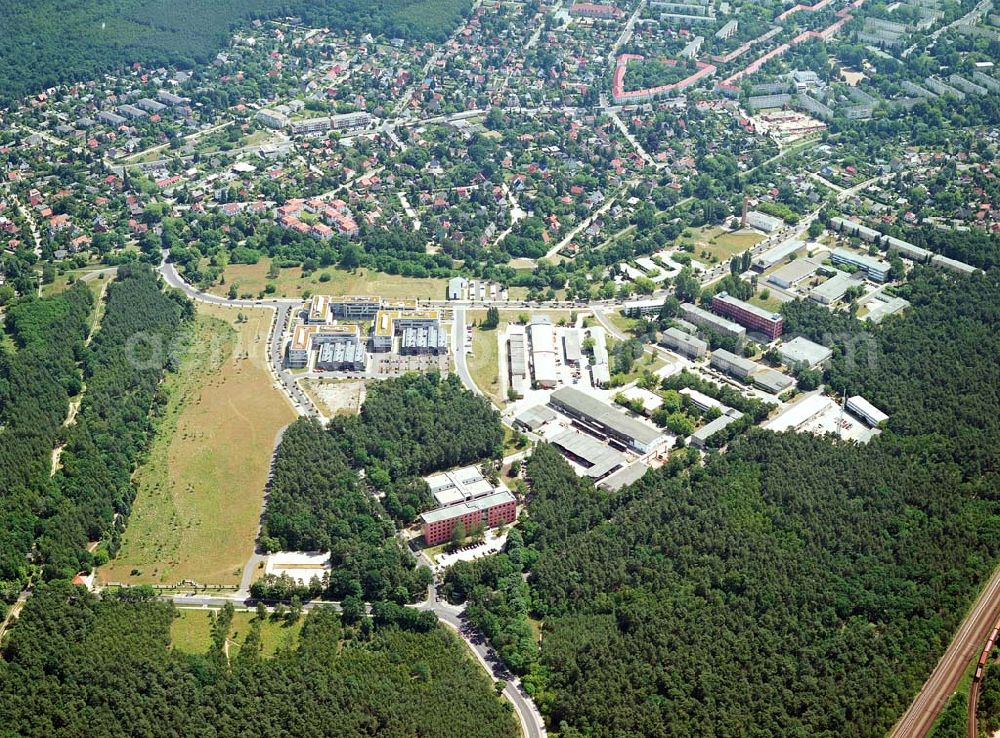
{"type": "Point", "coordinates": [939, 687]}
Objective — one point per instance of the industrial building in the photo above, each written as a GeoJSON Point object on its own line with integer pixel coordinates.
{"type": "Point", "coordinates": [777, 254]}
{"type": "Point", "coordinates": [753, 318]}
{"type": "Point", "coordinates": [699, 439]}
{"type": "Point", "coordinates": [866, 411]}
{"type": "Point", "coordinates": [834, 288]}
{"type": "Point", "coordinates": [542, 338]}
{"type": "Point", "coordinates": [729, 363]}
{"type": "Point", "coordinates": [763, 221]}
{"type": "Point", "coordinates": [877, 270]}
{"type": "Point", "coordinates": [772, 381]}
{"type": "Point", "coordinates": [683, 344]}
{"type": "Point", "coordinates": [604, 420]}
{"type": "Point", "coordinates": [600, 372]}
{"type": "Point", "coordinates": [802, 351]}
{"type": "Point", "coordinates": [517, 359]}
{"type": "Point", "coordinates": [624, 476]}
{"type": "Point", "coordinates": [572, 347]}
{"type": "Point", "coordinates": [491, 511]}
{"type": "Point", "coordinates": [709, 321]}
{"type": "Point", "coordinates": [792, 273]}
{"type": "Point", "coordinates": [535, 417]}
{"type": "Point", "coordinates": [597, 459]}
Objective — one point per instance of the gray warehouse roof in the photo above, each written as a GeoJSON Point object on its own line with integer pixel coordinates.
{"type": "Point", "coordinates": [601, 458]}
{"type": "Point", "coordinates": [535, 417]}
{"type": "Point", "coordinates": [623, 477]}
{"type": "Point", "coordinates": [803, 351]}
{"type": "Point", "coordinates": [608, 416]}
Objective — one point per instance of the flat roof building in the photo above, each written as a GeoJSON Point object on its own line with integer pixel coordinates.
{"type": "Point", "coordinates": [461, 485]}
{"type": "Point", "coordinates": [834, 288]}
{"type": "Point", "coordinates": [637, 308]}
{"type": "Point", "coordinates": [605, 420]}
{"type": "Point", "coordinates": [881, 306]}
{"type": "Point", "coordinates": [779, 253]}
{"type": "Point", "coordinates": [753, 318]}
{"type": "Point", "coordinates": [354, 308]}
{"type": "Point", "coordinates": [682, 343]}
{"type": "Point", "coordinates": [803, 351]}
{"type": "Point", "coordinates": [792, 273]}
{"type": "Point", "coordinates": [389, 323]}
{"type": "Point", "coordinates": [700, 438]}
{"type": "Point", "coordinates": [877, 270]}
{"type": "Point", "coordinates": [491, 511]}
{"type": "Point", "coordinates": [729, 363]}
{"type": "Point", "coordinates": [319, 310]}
{"type": "Point", "coordinates": [710, 321]}
{"type": "Point", "coordinates": [772, 381]}
{"type": "Point", "coordinates": [595, 458]}
{"type": "Point", "coordinates": [543, 354]}
{"type": "Point", "coordinates": [572, 347]}
{"type": "Point", "coordinates": [456, 287]}
{"type": "Point", "coordinates": [865, 410]}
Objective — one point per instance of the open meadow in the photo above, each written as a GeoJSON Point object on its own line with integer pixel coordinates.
{"type": "Point", "coordinates": [201, 489]}
{"type": "Point", "coordinates": [252, 279]}
{"type": "Point", "coordinates": [191, 632]}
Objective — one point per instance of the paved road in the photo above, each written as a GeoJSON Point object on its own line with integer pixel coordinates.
{"type": "Point", "coordinates": [282, 307]}
{"type": "Point", "coordinates": [458, 346]}
{"type": "Point", "coordinates": [532, 725]}
{"type": "Point", "coordinates": [937, 690]}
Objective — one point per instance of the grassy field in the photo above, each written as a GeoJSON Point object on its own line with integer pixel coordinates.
{"type": "Point", "coordinates": [201, 489]}
{"type": "Point", "coordinates": [252, 278]}
{"type": "Point", "coordinates": [771, 303]}
{"type": "Point", "coordinates": [483, 363]}
{"type": "Point", "coordinates": [191, 632]}
{"type": "Point", "coordinates": [716, 244]}
{"type": "Point", "coordinates": [64, 280]}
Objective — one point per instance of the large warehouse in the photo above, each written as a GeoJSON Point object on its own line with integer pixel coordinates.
{"type": "Point", "coordinates": [543, 352]}
{"type": "Point", "coordinates": [601, 418]}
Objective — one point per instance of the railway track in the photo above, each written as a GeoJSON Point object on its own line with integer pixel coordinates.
{"type": "Point", "coordinates": [939, 687]}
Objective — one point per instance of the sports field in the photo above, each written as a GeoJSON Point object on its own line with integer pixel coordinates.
{"type": "Point", "coordinates": [201, 489]}
{"type": "Point", "coordinates": [252, 278]}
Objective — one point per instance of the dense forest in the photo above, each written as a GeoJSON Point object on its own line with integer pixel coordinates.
{"type": "Point", "coordinates": [38, 375]}
{"type": "Point", "coordinates": [76, 665]}
{"type": "Point", "coordinates": [318, 502]}
{"type": "Point", "coordinates": [795, 585]}
{"type": "Point", "coordinates": [445, 426]}
{"type": "Point", "coordinates": [122, 369]}
{"type": "Point", "coordinates": [48, 43]}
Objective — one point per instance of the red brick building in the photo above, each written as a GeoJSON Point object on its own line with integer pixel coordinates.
{"type": "Point", "coordinates": [491, 511]}
{"type": "Point", "coordinates": [751, 317]}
